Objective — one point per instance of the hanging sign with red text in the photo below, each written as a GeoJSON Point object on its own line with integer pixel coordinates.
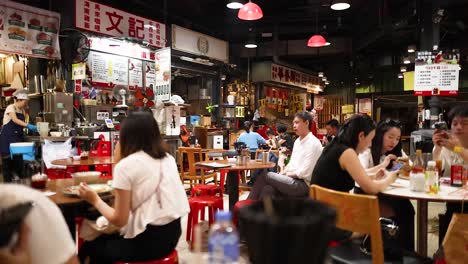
{"type": "Point", "coordinates": [106, 20]}
{"type": "Point", "coordinates": [292, 77]}
{"type": "Point", "coordinates": [436, 73]}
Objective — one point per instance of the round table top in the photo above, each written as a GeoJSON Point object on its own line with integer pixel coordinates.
{"type": "Point", "coordinates": [251, 165]}
{"type": "Point", "coordinates": [57, 186]}
{"type": "Point", "coordinates": [400, 188]}
{"type": "Point", "coordinates": [84, 162]}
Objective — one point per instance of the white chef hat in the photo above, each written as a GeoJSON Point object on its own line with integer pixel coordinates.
{"type": "Point", "coordinates": [21, 94]}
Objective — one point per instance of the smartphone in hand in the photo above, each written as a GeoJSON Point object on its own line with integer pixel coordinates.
{"type": "Point", "coordinates": [397, 166]}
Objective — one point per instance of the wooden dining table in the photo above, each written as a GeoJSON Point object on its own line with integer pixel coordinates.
{"type": "Point", "coordinates": [232, 175]}
{"type": "Point", "coordinates": [447, 193]}
{"type": "Point", "coordinates": [90, 161]}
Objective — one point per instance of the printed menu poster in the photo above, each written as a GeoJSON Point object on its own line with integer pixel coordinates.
{"type": "Point", "coordinates": [162, 90]}
{"type": "Point", "coordinates": [150, 74]}
{"type": "Point", "coordinates": [29, 31]}
{"type": "Point", "coordinates": [107, 69]}
{"type": "Point", "coordinates": [436, 73]}
{"type": "Point", "coordinates": [135, 74]}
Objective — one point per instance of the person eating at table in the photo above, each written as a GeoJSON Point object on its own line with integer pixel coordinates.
{"type": "Point", "coordinates": [339, 168]}
{"type": "Point", "coordinates": [294, 180]}
{"type": "Point", "coordinates": [14, 121]}
{"type": "Point", "coordinates": [149, 198]}
{"type": "Point", "coordinates": [250, 138]}
{"type": "Point", "coordinates": [385, 149]}
{"type": "Point", "coordinates": [445, 143]}
{"type": "Point", "coordinates": [43, 235]}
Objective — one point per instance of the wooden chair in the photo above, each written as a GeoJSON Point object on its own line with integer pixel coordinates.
{"type": "Point", "coordinates": [194, 174]}
{"type": "Point", "coordinates": [357, 213]}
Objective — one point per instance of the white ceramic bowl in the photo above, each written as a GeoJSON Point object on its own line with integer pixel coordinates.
{"type": "Point", "coordinates": [56, 134]}
{"type": "Point", "coordinates": [77, 157]}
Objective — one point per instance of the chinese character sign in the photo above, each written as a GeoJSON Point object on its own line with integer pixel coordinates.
{"type": "Point", "coordinates": [103, 19]}
{"type": "Point", "coordinates": [29, 31]}
{"type": "Point", "coordinates": [436, 73]}
{"type": "Point", "coordinates": [292, 77]}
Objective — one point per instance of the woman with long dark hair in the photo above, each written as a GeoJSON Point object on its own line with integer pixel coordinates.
{"type": "Point", "coordinates": [149, 198]}
{"type": "Point", "coordinates": [386, 148]}
{"type": "Point", "coordinates": [338, 168]}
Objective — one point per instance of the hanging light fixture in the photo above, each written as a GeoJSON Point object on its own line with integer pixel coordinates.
{"type": "Point", "coordinates": [406, 60]}
{"type": "Point", "coordinates": [324, 79]}
{"type": "Point", "coordinates": [400, 76]}
{"type": "Point", "coordinates": [251, 42]}
{"type": "Point", "coordinates": [320, 74]}
{"type": "Point", "coordinates": [411, 48]}
{"type": "Point", "coordinates": [327, 82]}
{"type": "Point", "coordinates": [250, 11]}
{"type": "Point", "coordinates": [235, 4]}
{"type": "Point", "coordinates": [340, 5]}
{"type": "Point", "coordinates": [317, 41]}
{"type": "Point", "coordinates": [402, 69]}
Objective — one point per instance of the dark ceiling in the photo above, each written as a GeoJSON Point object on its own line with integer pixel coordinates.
{"type": "Point", "coordinates": [371, 34]}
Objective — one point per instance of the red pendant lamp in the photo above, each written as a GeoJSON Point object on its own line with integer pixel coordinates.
{"type": "Point", "coordinates": [317, 41]}
{"type": "Point", "coordinates": [250, 11]}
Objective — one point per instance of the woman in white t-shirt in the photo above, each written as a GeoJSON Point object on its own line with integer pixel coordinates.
{"type": "Point", "coordinates": [386, 147]}
{"type": "Point", "coordinates": [149, 198]}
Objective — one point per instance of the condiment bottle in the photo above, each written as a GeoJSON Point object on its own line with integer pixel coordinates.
{"type": "Point", "coordinates": [456, 170]}
{"type": "Point", "coordinates": [432, 178]}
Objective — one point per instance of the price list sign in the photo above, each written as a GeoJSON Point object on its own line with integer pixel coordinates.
{"type": "Point", "coordinates": [436, 79]}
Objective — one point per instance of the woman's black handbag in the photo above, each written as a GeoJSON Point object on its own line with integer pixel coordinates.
{"type": "Point", "coordinates": [391, 240]}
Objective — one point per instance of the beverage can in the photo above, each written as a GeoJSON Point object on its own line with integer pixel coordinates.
{"type": "Point", "coordinates": [456, 173]}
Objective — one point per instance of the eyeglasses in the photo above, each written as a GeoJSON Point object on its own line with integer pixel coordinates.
{"type": "Point", "coordinates": [392, 123]}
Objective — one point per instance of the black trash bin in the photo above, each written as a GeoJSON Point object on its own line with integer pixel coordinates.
{"type": "Point", "coordinates": [298, 231]}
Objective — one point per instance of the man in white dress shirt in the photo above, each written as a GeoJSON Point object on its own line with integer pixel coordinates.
{"type": "Point", "coordinates": [295, 179]}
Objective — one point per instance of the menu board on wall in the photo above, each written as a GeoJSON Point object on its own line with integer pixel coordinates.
{"type": "Point", "coordinates": [107, 69]}
{"type": "Point", "coordinates": [135, 74]}
{"type": "Point", "coordinates": [436, 73]}
{"type": "Point", "coordinates": [150, 74]}
{"type": "Point", "coordinates": [162, 90]}
{"type": "Point", "coordinates": [29, 31]}
{"type": "Point", "coordinates": [365, 106]}
{"type": "Point", "coordinates": [318, 102]}
{"type": "Point", "coordinates": [103, 19]}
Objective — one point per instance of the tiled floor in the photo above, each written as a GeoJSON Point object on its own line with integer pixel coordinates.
{"type": "Point", "coordinates": [186, 256]}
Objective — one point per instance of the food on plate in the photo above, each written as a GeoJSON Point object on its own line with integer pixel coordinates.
{"type": "Point", "coordinates": [16, 33]}
{"type": "Point", "coordinates": [43, 38]}
{"type": "Point", "coordinates": [51, 27]}
{"type": "Point", "coordinates": [49, 50]}
{"type": "Point", "coordinates": [98, 188]}
{"type": "Point", "coordinates": [34, 22]}
{"type": "Point", "coordinates": [16, 17]}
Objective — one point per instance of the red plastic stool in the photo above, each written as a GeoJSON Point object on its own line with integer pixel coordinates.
{"type": "Point", "coordinates": [79, 240]}
{"type": "Point", "coordinates": [197, 206]}
{"type": "Point", "coordinates": [205, 190]}
{"type": "Point", "coordinates": [237, 207]}
{"type": "Point", "coordinates": [172, 258]}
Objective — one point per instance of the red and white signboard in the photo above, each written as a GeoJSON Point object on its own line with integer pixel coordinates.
{"type": "Point", "coordinates": [29, 31]}
{"type": "Point", "coordinates": [292, 77]}
{"type": "Point", "coordinates": [122, 48]}
{"type": "Point", "coordinates": [78, 86]}
{"type": "Point", "coordinates": [103, 19]}
{"type": "Point", "coordinates": [436, 79]}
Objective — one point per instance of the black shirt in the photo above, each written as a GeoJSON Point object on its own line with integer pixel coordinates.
{"type": "Point", "coordinates": [328, 173]}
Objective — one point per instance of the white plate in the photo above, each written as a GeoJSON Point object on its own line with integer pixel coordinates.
{"type": "Point", "coordinates": [99, 188]}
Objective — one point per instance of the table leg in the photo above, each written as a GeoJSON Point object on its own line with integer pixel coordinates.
{"type": "Point", "coordinates": [233, 188]}
{"type": "Point", "coordinates": [422, 227]}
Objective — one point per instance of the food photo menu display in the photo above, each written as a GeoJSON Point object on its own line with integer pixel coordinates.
{"type": "Point", "coordinates": [29, 31]}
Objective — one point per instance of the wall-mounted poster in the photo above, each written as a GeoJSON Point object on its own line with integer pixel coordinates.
{"type": "Point", "coordinates": [29, 31]}
{"type": "Point", "coordinates": [135, 74]}
{"type": "Point", "coordinates": [108, 70]}
{"type": "Point", "coordinates": [162, 90]}
{"type": "Point", "coordinates": [150, 74]}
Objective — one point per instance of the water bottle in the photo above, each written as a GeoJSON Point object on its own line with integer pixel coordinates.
{"type": "Point", "coordinates": [223, 241]}
{"type": "Point", "coordinates": [432, 178]}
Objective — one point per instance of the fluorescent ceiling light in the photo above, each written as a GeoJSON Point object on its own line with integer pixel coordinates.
{"type": "Point", "coordinates": [320, 74]}
{"type": "Point", "coordinates": [197, 60]}
{"type": "Point", "coordinates": [403, 69]}
{"type": "Point", "coordinates": [406, 60]}
{"type": "Point", "coordinates": [340, 5]}
{"type": "Point", "coordinates": [250, 45]}
{"type": "Point", "coordinates": [411, 48]}
{"type": "Point", "coordinates": [400, 76]}
{"type": "Point", "coordinates": [235, 4]}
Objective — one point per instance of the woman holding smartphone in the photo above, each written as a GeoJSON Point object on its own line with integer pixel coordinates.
{"type": "Point", "coordinates": [384, 153]}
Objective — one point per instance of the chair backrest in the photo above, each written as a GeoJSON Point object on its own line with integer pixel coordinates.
{"type": "Point", "coordinates": [193, 155]}
{"type": "Point", "coordinates": [357, 213]}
